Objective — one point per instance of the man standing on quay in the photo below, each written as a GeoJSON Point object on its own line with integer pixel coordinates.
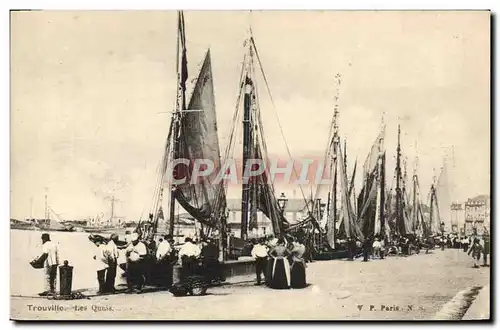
{"type": "Point", "coordinates": [259, 254]}
{"type": "Point", "coordinates": [50, 260]}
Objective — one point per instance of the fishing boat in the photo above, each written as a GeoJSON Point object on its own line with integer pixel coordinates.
{"type": "Point", "coordinates": [193, 135]}
{"type": "Point", "coordinates": [371, 198]}
{"type": "Point", "coordinates": [440, 204]}
{"type": "Point", "coordinates": [338, 223]}
{"type": "Point", "coordinates": [50, 224]}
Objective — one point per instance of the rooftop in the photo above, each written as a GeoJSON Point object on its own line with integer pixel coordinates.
{"type": "Point", "coordinates": [479, 199]}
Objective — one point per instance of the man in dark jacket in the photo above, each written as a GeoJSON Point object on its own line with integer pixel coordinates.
{"type": "Point", "coordinates": [210, 260]}
{"type": "Point", "coordinates": [367, 245]}
{"type": "Point", "coordinates": [486, 250]}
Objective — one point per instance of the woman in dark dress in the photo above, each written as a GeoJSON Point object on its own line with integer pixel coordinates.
{"type": "Point", "coordinates": [298, 267]}
{"type": "Point", "coordinates": [271, 244]}
{"type": "Point", "coordinates": [280, 272]}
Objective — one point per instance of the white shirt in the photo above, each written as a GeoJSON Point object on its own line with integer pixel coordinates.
{"type": "Point", "coordinates": [259, 251]}
{"type": "Point", "coordinates": [163, 250]}
{"type": "Point", "coordinates": [189, 250]}
{"type": "Point", "coordinates": [101, 260]}
{"type": "Point", "coordinates": [376, 245]}
{"type": "Point", "coordinates": [51, 249]}
{"type": "Point", "coordinates": [111, 251]}
{"type": "Point", "coordinates": [139, 249]}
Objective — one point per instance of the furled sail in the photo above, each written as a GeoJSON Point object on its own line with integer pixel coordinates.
{"type": "Point", "coordinates": [198, 140]}
{"type": "Point", "coordinates": [443, 196]}
{"type": "Point", "coordinates": [330, 217]}
{"type": "Point", "coordinates": [350, 226]}
{"type": "Point", "coordinates": [372, 159]}
{"type": "Point", "coordinates": [266, 198]}
{"type": "Point", "coordinates": [370, 197]}
{"type": "Point", "coordinates": [407, 219]}
{"type": "Point", "coordinates": [435, 216]}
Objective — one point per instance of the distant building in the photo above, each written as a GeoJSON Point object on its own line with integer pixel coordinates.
{"type": "Point", "coordinates": [101, 221]}
{"type": "Point", "coordinates": [477, 214]}
{"type": "Point", "coordinates": [184, 226]}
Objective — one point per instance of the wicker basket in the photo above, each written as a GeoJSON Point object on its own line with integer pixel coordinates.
{"type": "Point", "coordinates": [37, 264]}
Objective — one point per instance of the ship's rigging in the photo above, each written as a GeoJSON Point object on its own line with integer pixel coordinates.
{"type": "Point", "coordinates": [192, 135]}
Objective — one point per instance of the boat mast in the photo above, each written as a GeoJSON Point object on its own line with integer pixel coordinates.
{"type": "Point", "coordinates": [179, 106]}
{"type": "Point", "coordinates": [403, 200]}
{"type": "Point", "coordinates": [433, 197]}
{"type": "Point", "coordinates": [382, 195]}
{"type": "Point", "coordinates": [113, 201]}
{"type": "Point", "coordinates": [335, 149]}
{"type": "Point", "coordinates": [415, 206]}
{"type": "Point", "coordinates": [247, 143]}
{"type": "Point", "coordinates": [47, 215]}
{"type": "Point", "coordinates": [254, 145]}
{"type": "Point", "coordinates": [398, 188]}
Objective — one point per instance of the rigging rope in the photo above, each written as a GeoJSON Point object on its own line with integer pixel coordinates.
{"type": "Point", "coordinates": [275, 112]}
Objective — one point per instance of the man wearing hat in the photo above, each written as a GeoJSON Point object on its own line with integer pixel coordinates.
{"type": "Point", "coordinates": [210, 257]}
{"type": "Point", "coordinates": [188, 256]}
{"type": "Point", "coordinates": [112, 256]}
{"type": "Point", "coordinates": [135, 253]}
{"type": "Point", "coordinates": [50, 259]}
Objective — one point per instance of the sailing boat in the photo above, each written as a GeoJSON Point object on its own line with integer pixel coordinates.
{"type": "Point", "coordinates": [443, 195]}
{"type": "Point", "coordinates": [371, 199]}
{"type": "Point", "coordinates": [440, 205]}
{"type": "Point", "coordinates": [258, 192]}
{"type": "Point", "coordinates": [400, 221]}
{"type": "Point", "coordinates": [49, 224]}
{"type": "Point", "coordinates": [335, 163]}
{"type": "Point", "coordinates": [193, 135]}
{"type": "Point", "coordinates": [420, 226]}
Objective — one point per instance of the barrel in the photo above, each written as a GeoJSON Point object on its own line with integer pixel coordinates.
{"type": "Point", "coordinates": [66, 279]}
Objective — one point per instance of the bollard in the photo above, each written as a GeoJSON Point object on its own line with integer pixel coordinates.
{"type": "Point", "coordinates": [66, 278]}
{"type": "Point", "coordinates": [176, 274]}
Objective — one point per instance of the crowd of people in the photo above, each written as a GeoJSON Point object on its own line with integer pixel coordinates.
{"type": "Point", "coordinates": [146, 263]}
{"type": "Point", "coordinates": [280, 263]}
{"type": "Point", "coordinates": [379, 247]}
{"type": "Point", "coordinates": [149, 263]}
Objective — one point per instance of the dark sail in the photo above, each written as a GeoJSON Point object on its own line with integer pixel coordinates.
{"type": "Point", "coordinates": [367, 199]}
{"type": "Point", "coordinates": [198, 140]}
{"type": "Point", "coordinates": [267, 202]}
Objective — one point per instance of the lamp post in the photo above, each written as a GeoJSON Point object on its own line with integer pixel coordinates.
{"type": "Point", "coordinates": [282, 201]}
{"type": "Point", "coordinates": [322, 209]}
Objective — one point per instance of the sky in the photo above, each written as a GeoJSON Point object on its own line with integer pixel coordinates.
{"type": "Point", "coordinates": [91, 92]}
